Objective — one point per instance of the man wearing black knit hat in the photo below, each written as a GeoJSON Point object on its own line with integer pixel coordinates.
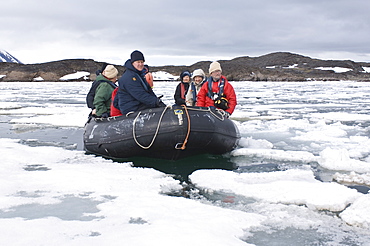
{"type": "Point", "coordinates": [134, 92]}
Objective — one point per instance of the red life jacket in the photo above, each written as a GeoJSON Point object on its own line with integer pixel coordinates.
{"type": "Point", "coordinates": [182, 90]}
{"type": "Point", "coordinates": [149, 79]}
{"type": "Point", "coordinates": [113, 110]}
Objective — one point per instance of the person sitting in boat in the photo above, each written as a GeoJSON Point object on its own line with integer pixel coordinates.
{"type": "Point", "coordinates": [182, 88]}
{"type": "Point", "coordinates": [114, 111]}
{"type": "Point", "coordinates": [217, 91]}
{"type": "Point", "coordinates": [103, 93]}
{"type": "Point", "coordinates": [91, 94]}
{"type": "Point", "coordinates": [199, 78]}
{"type": "Point", "coordinates": [134, 92]}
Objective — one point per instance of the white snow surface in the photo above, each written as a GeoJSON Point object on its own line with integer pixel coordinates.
{"type": "Point", "coordinates": [335, 69]}
{"type": "Point", "coordinates": [162, 75]}
{"type": "Point", "coordinates": [54, 196]}
{"type": "Point", "coordinates": [279, 187]}
{"type": "Point", "coordinates": [124, 205]}
{"type": "Point", "coordinates": [74, 76]}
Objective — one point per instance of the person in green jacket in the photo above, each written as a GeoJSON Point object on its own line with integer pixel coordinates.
{"type": "Point", "coordinates": [103, 94]}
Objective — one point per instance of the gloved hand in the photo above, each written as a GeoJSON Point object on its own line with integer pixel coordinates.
{"type": "Point", "coordinates": [222, 103]}
{"type": "Point", "coordinates": [105, 115]}
{"type": "Point", "coordinates": [227, 114]}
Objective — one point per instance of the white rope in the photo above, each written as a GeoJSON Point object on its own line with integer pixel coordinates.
{"type": "Point", "coordinates": [155, 134]}
{"type": "Point", "coordinates": [221, 112]}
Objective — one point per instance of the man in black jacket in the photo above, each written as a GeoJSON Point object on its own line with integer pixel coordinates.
{"type": "Point", "coordinates": [134, 92]}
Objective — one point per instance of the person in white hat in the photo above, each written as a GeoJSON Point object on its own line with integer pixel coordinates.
{"type": "Point", "coordinates": [217, 91]}
{"type": "Point", "coordinates": [103, 93]}
{"type": "Point", "coordinates": [199, 77]}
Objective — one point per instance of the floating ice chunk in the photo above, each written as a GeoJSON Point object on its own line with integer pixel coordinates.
{"type": "Point", "coordinates": [275, 154]}
{"type": "Point", "coordinates": [353, 178]}
{"type": "Point", "coordinates": [162, 75]}
{"type": "Point", "coordinates": [288, 187]}
{"type": "Point", "coordinates": [255, 143]}
{"type": "Point", "coordinates": [358, 213]}
{"type": "Point", "coordinates": [338, 159]}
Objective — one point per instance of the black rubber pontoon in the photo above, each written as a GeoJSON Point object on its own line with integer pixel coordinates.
{"type": "Point", "coordinates": [171, 133]}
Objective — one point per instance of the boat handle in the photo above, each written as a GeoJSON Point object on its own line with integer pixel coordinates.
{"type": "Point", "coordinates": [179, 146]}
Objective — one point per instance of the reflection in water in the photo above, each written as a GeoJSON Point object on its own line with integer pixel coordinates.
{"type": "Point", "coordinates": [181, 169]}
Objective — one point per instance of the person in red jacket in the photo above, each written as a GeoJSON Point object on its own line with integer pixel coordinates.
{"type": "Point", "coordinates": [217, 91]}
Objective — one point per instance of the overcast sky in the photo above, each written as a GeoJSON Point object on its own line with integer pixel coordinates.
{"type": "Point", "coordinates": [172, 32]}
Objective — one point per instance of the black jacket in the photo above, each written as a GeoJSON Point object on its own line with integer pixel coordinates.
{"type": "Point", "coordinates": [180, 99]}
{"type": "Point", "coordinates": [134, 92]}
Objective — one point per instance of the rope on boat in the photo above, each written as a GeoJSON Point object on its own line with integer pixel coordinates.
{"type": "Point", "coordinates": [155, 134]}
{"type": "Point", "coordinates": [183, 145]}
{"type": "Point", "coordinates": [221, 113]}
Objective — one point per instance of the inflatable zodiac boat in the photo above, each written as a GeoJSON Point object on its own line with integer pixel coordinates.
{"type": "Point", "coordinates": [171, 133]}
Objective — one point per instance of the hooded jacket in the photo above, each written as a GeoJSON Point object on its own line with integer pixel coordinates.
{"type": "Point", "coordinates": [203, 100]}
{"type": "Point", "coordinates": [180, 93]}
{"type": "Point", "coordinates": [182, 88]}
{"type": "Point", "coordinates": [91, 94]}
{"type": "Point", "coordinates": [103, 95]}
{"type": "Point", "coordinates": [134, 92]}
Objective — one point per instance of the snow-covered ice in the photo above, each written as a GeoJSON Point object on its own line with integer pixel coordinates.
{"type": "Point", "coordinates": [302, 176]}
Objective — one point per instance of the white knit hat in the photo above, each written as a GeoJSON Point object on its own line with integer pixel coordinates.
{"type": "Point", "coordinates": [198, 72]}
{"type": "Point", "coordinates": [214, 67]}
{"type": "Point", "coordinates": [110, 72]}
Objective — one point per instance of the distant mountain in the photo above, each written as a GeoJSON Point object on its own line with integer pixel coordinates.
{"type": "Point", "coordinates": [279, 66]}
{"type": "Point", "coordinates": [282, 66]}
{"type": "Point", "coordinates": [6, 57]}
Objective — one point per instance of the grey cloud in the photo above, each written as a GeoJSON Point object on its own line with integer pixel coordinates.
{"type": "Point", "coordinates": [192, 28]}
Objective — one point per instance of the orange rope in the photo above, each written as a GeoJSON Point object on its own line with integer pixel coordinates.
{"type": "Point", "coordinates": [188, 133]}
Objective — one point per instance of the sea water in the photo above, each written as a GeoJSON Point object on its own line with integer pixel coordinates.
{"type": "Point", "coordinates": [303, 160]}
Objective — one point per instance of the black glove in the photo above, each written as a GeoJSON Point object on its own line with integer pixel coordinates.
{"type": "Point", "coordinates": [105, 115]}
{"type": "Point", "coordinates": [222, 103]}
{"type": "Point", "coordinates": [227, 114]}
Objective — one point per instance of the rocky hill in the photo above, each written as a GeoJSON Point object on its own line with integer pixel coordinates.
{"type": "Point", "coordinates": [280, 66]}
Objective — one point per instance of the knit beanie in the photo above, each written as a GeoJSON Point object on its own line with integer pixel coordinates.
{"type": "Point", "coordinates": [198, 72]}
{"type": "Point", "coordinates": [214, 67]}
{"type": "Point", "coordinates": [185, 73]}
{"type": "Point", "coordinates": [137, 56]}
{"type": "Point", "coordinates": [99, 71]}
{"type": "Point", "coordinates": [110, 72]}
